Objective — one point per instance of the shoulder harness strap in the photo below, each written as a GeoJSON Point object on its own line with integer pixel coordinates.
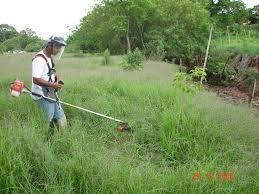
{"type": "Point", "coordinates": [47, 62]}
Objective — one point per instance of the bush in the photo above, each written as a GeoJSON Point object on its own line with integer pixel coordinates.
{"type": "Point", "coordinates": [79, 54]}
{"type": "Point", "coordinates": [72, 48]}
{"type": "Point", "coordinates": [184, 82]}
{"type": "Point", "coordinates": [249, 75]}
{"type": "Point", "coordinates": [218, 70]}
{"type": "Point", "coordinates": [12, 44]}
{"type": "Point", "coordinates": [33, 47]}
{"type": "Point", "coordinates": [198, 73]}
{"type": "Point", "coordinates": [155, 49]}
{"type": "Point", "coordinates": [133, 61]}
{"type": "Point", "coordinates": [106, 57]}
{"type": "Point", "coordinates": [2, 49]}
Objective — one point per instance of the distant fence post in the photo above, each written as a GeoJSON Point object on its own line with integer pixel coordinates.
{"type": "Point", "coordinates": [253, 92]}
{"type": "Point", "coordinates": [228, 35]}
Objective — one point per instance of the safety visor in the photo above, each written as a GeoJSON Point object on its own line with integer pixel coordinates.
{"type": "Point", "coordinates": [59, 54]}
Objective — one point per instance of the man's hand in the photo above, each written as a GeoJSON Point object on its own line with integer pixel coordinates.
{"type": "Point", "coordinates": [56, 86]}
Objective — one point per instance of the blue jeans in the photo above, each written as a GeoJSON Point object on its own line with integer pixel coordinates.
{"type": "Point", "coordinates": [51, 110]}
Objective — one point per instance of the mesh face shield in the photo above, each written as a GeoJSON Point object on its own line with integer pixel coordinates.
{"type": "Point", "coordinates": [59, 54]}
{"type": "Point", "coordinates": [58, 46]}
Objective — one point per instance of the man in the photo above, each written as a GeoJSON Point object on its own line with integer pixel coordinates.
{"type": "Point", "coordinates": [46, 82]}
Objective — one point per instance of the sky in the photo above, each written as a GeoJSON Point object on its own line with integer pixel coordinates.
{"type": "Point", "coordinates": [45, 17]}
{"type": "Point", "coordinates": [51, 17]}
{"type": "Point", "coordinates": [251, 3]}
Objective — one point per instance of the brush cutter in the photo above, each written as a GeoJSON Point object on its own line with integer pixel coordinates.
{"type": "Point", "coordinates": [17, 87]}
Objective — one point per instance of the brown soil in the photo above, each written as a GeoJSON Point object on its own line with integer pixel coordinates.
{"type": "Point", "coordinates": [232, 94]}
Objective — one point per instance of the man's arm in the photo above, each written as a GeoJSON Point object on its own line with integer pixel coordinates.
{"type": "Point", "coordinates": [42, 82]}
{"type": "Point", "coordinates": [57, 78]}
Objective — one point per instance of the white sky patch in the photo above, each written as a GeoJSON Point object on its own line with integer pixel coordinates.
{"type": "Point", "coordinates": [46, 17]}
{"type": "Point", "coordinates": [51, 17]}
{"type": "Point", "coordinates": [251, 3]}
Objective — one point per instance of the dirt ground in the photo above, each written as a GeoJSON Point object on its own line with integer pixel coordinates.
{"type": "Point", "coordinates": [232, 94]}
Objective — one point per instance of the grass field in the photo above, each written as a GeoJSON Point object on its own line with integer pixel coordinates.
{"type": "Point", "coordinates": [242, 45]}
{"type": "Point", "coordinates": [180, 143]}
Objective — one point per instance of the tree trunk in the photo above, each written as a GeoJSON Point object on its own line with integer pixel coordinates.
{"type": "Point", "coordinates": [141, 35]}
{"type": "Point", "coordinates": [128, 40]}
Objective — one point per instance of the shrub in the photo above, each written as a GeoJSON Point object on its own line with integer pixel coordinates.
{"type": "Point", "coordinates": [2, 49]}
{"type": "Point", "coordinates": [79, 54]}
{"type": "Point", "coordinates": [106, 57]}
{"type": "Point", "coordinates": [184, 82]}
{"type": "Point", "coordinates": [72, 48]}
{"type": "Point", "coordinates": [133, 61]}
{"type": "Point", "coordinates": [198, 73]}
{"type": "Point", "coordinates": [155, 49]}
{"type": "Point", "coordinates": [249, 75]}
{"type": "Point", "coordinates": [218, 70]}
{"type": "Point", "coordinates": [33, 47]}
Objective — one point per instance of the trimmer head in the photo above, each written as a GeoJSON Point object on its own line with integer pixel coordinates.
{"type": "Point", "coordinates": [123, 126]}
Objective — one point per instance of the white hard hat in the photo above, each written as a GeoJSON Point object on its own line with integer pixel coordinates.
{"type": "Point", "coordinates": [58, 41]}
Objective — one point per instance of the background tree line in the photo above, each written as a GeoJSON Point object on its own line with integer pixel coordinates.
{"type": "Point", "coordinates": [171, 29]}
{"type": "Point", "coordinates": [25, 40]}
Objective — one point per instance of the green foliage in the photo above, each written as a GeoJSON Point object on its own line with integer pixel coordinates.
{"type": "Point", "coordinates": [72, 48]}
{"type": "Point", "coordinates": [12, 44]}
{"type": "Point", "coordinates": [155, 48]}
{"type": "Point", "coordinates": [228, 12]}
{"type": "Point", "coordinates": [244, 41]}
{"type": "Point", "coordinates": [254, 15]}
{"type": "Point", "coordinates": [218, 76]}
{"type": "Point", "coordinates": [185, 29]}
{"type": "Point", "coordinates": [106, 57]}
{"type": "Point", "coordinates": [2, 49]}
{"type": "Point", "coordinates": [150, 25]}
{"type": "Point", "coordinates": [198, 73]}
{"type": "Point", "coordinates": [34, 46]}
{"type": "Point", "coordinates": [79, 55]}
{"type": "Point", "coordinates": [184, 82]}
{"type": "Point", "coordinates": [223, 52]}
{"type": "Point", "coordinates": [7, 32]}
{"type": "Point", "coordinates": [133, 60]}
{"type": "Point", "coordinates": [249, 75]}
{"type": "Point", "coordinates": [25, 40]}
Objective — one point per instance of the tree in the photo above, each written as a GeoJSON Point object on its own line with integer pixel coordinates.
{"type": "Point", "coordinates": [178, 29]}
{"type": "Point", "coordinates": [185, 29]}
{"type": "Point", "coordinates": [228, 12]}
{"type": "Point", "coordinates": [117, 25]}
{"type": "Point", "coordinates": [254, 15]}
{"type": "Point", "coordinates": [33, 46]}
{"type": "Point", "coordinates": [134, 16]}
{"type": "Point", "coordinates": [11, 44]}
{"type": "Point", "coordinates": [21, 40]}
{"type": "Point", "coordinates": [7, 32]}
{"type": "Point", "coordinates": [2, 49]}
{"type": "Point", "coordinates": [28, 32]}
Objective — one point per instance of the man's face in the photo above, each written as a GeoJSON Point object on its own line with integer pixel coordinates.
{"type": "Point", "coordinates": [55, 49]}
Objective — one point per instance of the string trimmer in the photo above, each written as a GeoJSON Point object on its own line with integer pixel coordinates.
{"type": "Point", "coordinates": [18, 87]}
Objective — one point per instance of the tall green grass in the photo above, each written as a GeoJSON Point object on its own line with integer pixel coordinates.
{"type": "Point", "coordinates": [175, 135]}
